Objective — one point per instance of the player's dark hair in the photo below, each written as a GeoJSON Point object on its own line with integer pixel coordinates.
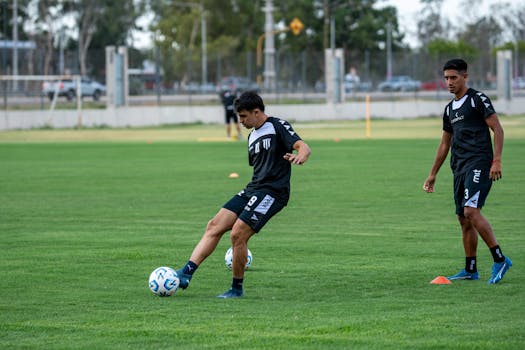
{"type": "Point", "coordinates": [249, 101]}
{"type": "Point", "coordinates": [456, 64]}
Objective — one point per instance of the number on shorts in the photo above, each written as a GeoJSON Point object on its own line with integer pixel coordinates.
{"type": "Point", "coordinates": [252, 200]}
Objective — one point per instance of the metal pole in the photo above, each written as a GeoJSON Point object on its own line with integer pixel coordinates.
{"type": "Point", "coordinates": [332, 34]}
{"type": "Point", "coordinates": [15, 43]}
{"type": "Point", "coordinates": [4, 53]}
{"type": "Point", "coordinates": [204, 55]}
{"type": "Point", "coordinates": [61, 55]}
{"type": "Point", "coordinates": [388, 50]}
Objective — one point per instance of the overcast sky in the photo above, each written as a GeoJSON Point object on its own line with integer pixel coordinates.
{"type": "Point", "coordinates": [408, 10]}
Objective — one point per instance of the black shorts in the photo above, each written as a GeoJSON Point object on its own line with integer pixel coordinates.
{"type": "Point", "coordinates": [471, 188]}
{"type": "Point", "coordinates": [230, 116]}
{"type": "Point", "coordinates": [255, 209]}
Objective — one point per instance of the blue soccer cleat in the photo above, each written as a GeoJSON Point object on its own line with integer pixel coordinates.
{"type": "Point", "coordinates": [499, 270]}
{"type": "Point", "coordinates": [231, 293]}
{"type": "Point", "coordinates": [184, 279]}
{"type": "Point", "coordinates": [464, 275]}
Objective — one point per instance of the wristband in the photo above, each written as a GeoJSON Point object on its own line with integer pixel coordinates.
{"type": "Point", "coordinates": [496, 161]}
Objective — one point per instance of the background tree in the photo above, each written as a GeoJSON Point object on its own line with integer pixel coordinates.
{"type": "Point", "coordinates": [430, 24]}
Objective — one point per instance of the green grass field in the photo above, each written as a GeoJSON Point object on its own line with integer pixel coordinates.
{"type": "Point", "coordinates": [86, 215]}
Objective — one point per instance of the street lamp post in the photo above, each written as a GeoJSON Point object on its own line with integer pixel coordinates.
{"type": "Point", "coordinates": [388, 50]}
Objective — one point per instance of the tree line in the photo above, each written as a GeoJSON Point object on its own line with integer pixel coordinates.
{"type": "Point", "coordinates": [233, 27]}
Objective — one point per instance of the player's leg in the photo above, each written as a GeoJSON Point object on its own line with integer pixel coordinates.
{"type": "Point", "coordinates": [227, 123]}
{"type": "Point", "coordinates": [238, 126]}
{"type": "Point", "coordinates": [468, 233]}
{"type": "Point", "coordinates": [470, 244]}
{"type": "Point", "coordinates": [477, 188]}
{"type": "Point", "coordinates": [239, 236]}
{"type": "Point", "coordinates": [223, 221]}
{"type": "Point", "coordinates": [260, 208]}
{"type": "Point", "coordinates": [481, 225]}
{"type": "Point", "coordinates": [501, 262]}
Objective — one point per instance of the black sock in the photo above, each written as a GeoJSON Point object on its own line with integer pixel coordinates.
{"type": "Point", "coordinates": [497, 255]}
{"type": "Point", "coordinates": [237, 283]}
{"type": "Point", "coordinates": [470, 264]}
{"type": "Point", "coordinates": [189, 268]}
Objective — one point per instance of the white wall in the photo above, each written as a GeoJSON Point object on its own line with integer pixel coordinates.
{"type": "Point", "coordinates": [155, 116]}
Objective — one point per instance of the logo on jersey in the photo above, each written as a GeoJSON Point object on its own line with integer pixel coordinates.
{"type": "Point", "coordinates": [265, 204]}
{"type": "Point", "coordinates": [457, 118]}
{"type": "Point", "coordinates": [473, 201]}
{"type": "Point", "coordinates": [264, 143]}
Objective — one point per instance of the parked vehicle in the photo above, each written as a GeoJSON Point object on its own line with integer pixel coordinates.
{"type": "Point", "coordinates": [67, 88]}
{"type": "Point", "coordinates": [431, 85]}
{"type": "Point", "coordinates": [400, 83]}
{"type": "Point", "coordinates": [237, 85]}
{"type": "Point", "coordinates": [198, 88]}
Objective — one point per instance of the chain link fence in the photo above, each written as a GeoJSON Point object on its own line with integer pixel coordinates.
{"type": "Point", "coordinates": [164, 76]}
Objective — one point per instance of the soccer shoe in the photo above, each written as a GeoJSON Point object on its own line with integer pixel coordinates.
{"type": "Point", "coordinates": [184, 279]}
{"type": "Point", "coordinates": [464, 275]}
{"type": "Point", "coordinates": [498, 270]}
{"type": "Point", "coordinates": [231, 293]}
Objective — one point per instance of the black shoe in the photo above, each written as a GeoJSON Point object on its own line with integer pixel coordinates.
{"type": "Point", "coordinates": [184, 279]}
{"type": "Point", "coordinates": [231, 293]}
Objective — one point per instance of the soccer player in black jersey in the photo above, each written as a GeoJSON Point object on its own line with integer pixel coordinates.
{"type": "Point", "coordinates": [475, 165]}
{"type": "Point", "coordinates": [273, 146]}
{"type": "Point", "coordinates": [227, 98]}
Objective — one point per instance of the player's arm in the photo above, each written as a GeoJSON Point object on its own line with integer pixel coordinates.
{"type": "Point", "coordinates": [494, 124]}
{"type": "Point", "coordinates": [441, 155]}
{"type": "Point", "coordinates": [302, 153]}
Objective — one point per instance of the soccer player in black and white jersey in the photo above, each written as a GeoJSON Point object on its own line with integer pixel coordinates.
{"type": "Point", "coordinates": [467, 122]}
{"type": "Point", "coordinates": [273, 146]}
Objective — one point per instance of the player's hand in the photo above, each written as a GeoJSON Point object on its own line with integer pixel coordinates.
{"type": "Point", "coordinates": [428, 185]}
{"type": "Point", "coordinates": [295, 158]}
{"type": "Point", "coordinates": [495, 170]}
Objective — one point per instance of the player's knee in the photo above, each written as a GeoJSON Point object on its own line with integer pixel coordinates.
{"type": "Point", "coordinates": [471, 213]}
{"type": "Point", "coordinates": [213, 227]}
{"type": "Point", "coordinates": [240, 234]}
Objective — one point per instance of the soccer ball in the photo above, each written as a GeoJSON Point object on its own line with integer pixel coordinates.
{"type": "Point", "coordinates": [163, 281]}
{"type": "Point", "coordinates": [228, 259]}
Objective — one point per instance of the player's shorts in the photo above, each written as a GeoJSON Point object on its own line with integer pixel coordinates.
{"type": "Point", "coordinates": [255, 209]}
{"type": "Point", "coordinates": [471, 188]}
{"type": "Point", "coordinates": [230, 116]}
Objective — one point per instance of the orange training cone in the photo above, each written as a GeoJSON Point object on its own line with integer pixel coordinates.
{"type": "Point", "coordinates": [440, 280]}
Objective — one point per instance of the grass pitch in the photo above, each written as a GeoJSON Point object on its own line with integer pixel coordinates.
{"type": "Point", "coordinates": [346, 265]}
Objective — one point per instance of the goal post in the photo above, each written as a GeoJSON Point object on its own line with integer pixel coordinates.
{"type": "Point", "coordinates": [32, 90]}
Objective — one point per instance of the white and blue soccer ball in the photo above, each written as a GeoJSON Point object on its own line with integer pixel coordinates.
{"type": "Point", "coordinates": [163, 281]}
{"type": "Point", "coordinates": [228, 259]}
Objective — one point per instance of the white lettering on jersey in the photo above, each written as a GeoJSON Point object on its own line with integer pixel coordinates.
{"type": "Point", "coordinates": [485, 100]}
{"type": "Point", "coordinates": [477, 174]}
{"type": "Point", "coordinates": [257, 148]}
{"type": "Point", "coordinates": [287, 127]}
{"type": "Point", "coordinates": [457, 118]}
{"type": "Point", "coordinates": [266, 144]}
